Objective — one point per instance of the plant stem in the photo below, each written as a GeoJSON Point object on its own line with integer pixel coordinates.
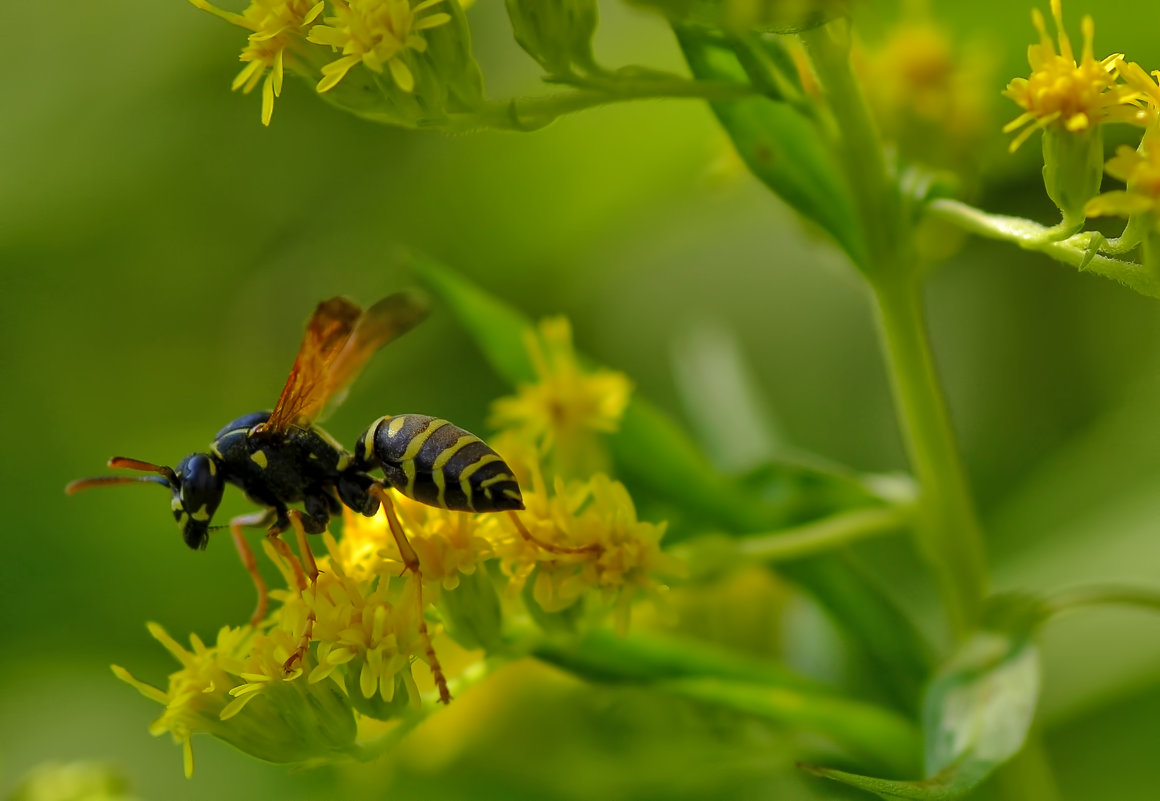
{"type": "Point", "coordinates": [859, 145]}
{"type": "Point", "coordinates": [948, 532]}
{"type": "Point", "coordinates": [947, 529]}
{"type": "Point", "coordinates": [1069, 600]}
{"type": "Point", "coordinates": [1076, 250]}
{"type": "Point", "coordinates": [825, 534]}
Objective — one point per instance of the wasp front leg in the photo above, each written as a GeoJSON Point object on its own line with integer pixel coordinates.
{"type": "Point", "coordinates": [255, 520]}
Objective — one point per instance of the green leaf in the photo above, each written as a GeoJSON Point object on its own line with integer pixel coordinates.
{"type": "Point", "coordinates": [976, 716]}
{"type": "Point", "coordinates": [782, 147]}
{"type": "Point", "coordinates": [715, 676]}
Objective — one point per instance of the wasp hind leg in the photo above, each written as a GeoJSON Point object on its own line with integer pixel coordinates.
{"type": "Point", "coordinates": [411, 565]}
{"type": "Point", "coordinates": [548, 546]}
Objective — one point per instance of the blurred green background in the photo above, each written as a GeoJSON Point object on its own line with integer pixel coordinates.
{"type": "Point", "coordinates": [160, 251]}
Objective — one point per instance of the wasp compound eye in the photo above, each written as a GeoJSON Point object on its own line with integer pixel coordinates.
{"type": "Point", "coordinates": [197, 495]}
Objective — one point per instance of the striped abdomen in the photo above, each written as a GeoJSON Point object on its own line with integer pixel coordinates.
{"type": "Point", "coordinates": [438, 464]}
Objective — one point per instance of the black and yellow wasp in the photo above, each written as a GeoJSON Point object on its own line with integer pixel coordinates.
{"type": "Point", "coordinates": [281, 458]}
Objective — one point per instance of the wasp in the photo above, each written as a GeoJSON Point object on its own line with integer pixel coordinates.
{"type": "Point", "coordinates": [282, 460]}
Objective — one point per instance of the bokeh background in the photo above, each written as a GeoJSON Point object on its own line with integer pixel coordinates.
{"type": "Point", "coordinates": [160, 250]}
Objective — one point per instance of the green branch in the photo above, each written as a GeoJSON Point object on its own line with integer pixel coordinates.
{"type": "Point", "coordinates": [1080, 250]}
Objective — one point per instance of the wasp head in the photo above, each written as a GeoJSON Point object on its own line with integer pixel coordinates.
{"type": "Point", "coordinates": [196, 486]}
{"type": "Point", "coordinates": [197, 490]}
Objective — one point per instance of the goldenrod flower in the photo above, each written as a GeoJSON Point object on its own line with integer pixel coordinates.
{"type": "Point", "coordinates": [288, 722]}
{"type": "Point", "coordinates": [1066, 94]}
{"type": "Point", "coordinates": [276, 25]}
{"type": "Point", "coordinates": [928, 92]}
{"type": "Point", "coordinates": [376, 33]}
{"type": "Point", "coordinates": [567, 405]}
{"type": "Point", "coordinates": [450, 544]}
{"type": "Point", "coordinates": [623, 564]}
{"type": "Point", "coordinates": [1144, 83]}
{"type": "Point", "coordinates": [1140, 170]}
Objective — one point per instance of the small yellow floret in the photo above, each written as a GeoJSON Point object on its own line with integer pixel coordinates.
{"type": "Point", "coordinates": [199, 691]}
{"type": "Point", "coordinates": [376, 33]}
{"type": "Point", "coordinates": [566, 400]}
{"type": "Point", "coordinates": [1140, 170]}
{"type": "Point", "coordinates": [276, 26]}
{"type": "Point", "coordinates": [598, 512]}
{"type": "Point", "coordinates": [1074, 96]}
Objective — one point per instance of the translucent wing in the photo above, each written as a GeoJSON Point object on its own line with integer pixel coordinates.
{"type": "Point", "coordinates": [340, 338]}
{"type": "Point", "coordinates": [383, 322]}
{"type": "Point", "coordinates": [305, 393]}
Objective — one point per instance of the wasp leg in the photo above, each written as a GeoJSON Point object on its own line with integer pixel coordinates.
{"type": "Point", "coordinates": [274, 535]}
{"type": "Point", "coordinates": [547, 546]}
{"type": "Point", "coordinates": [307, 630]}
{"type": "Point", "coordinates": [411, 565]}
{"type": "Point", "coordinates": [254, 520]}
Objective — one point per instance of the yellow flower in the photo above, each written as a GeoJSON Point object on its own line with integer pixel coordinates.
{"type": "Point", "coordinates": [450, 544]}
{"type": "Point", "coordinates": [623, 565]}
{"type": "Point", "coordinates": [262, 713]}
{"type": "Point", "coordinates": [199, 691]}
{"type": "Point", "coordinates": [1063, 93]}
{"type": "Point", "coordinates": [928, 92]}
{"type": "Point", "coordinates": [1144, 83]}
{"type": "Point", "coordinates": [377, 33]}
{"type": "Point", "coordinates": [567, 405]}
{"type": "Point", "coordinates": [373, 625]}
{"type": "Point", "coordinates": [277, 25]}
{"type": "Point", "coordinates": [1140, 170]}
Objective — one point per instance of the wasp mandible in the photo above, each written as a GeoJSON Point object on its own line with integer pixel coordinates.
{"type": "Point", "coordinates": [280, 458]}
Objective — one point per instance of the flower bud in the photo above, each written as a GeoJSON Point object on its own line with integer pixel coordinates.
{"type": "Point", "coordinates": [472, 613]}
{"type": "Point", "coordinates": [1073, 166]}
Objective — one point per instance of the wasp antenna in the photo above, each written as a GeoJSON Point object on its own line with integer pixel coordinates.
{"type": "Point", "coordinates": [100, 481]}
{"type": "Point", "coordinates": [148, 467]}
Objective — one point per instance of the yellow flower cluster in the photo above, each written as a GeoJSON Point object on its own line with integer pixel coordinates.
{"type": "Point", "coordinates": [333, 659]}
{"type": "Point", "coordinates": [1064, 93]}
{"type": "Point", "coordinates": [379, 34]}
{"type": "Point", "coordinates": [566, 406]}
{"type": "Point", "coordinates": [1138, 168]}
{"type": "Point", "coordinates": [928, 94]}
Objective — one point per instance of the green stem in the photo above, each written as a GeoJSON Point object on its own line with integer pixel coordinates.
{"type": "Point", "coordinates": [948, 531]}
{"type": "Point", "coordinates": [1068, 600]}
{"type": "Point", "coordinates": [859, 145]}
{"type": "Point", "coordinates": [1076, 250]}
{"type": "Point", "coordinates": [825, 534]}
{"type": "Point", "coordinates": [533, 113]}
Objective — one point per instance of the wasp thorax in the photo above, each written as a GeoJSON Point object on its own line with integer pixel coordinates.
{"type": "Point", "coordinates": [196, 496]}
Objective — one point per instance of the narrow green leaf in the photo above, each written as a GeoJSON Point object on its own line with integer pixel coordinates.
{"type": "Point", "coordinates": [715, 676]}
{"type": "Point", "coordinates": [977, 713]}
{"type": "Point", "coordinates": [497, 328]}
{"type": "Point", "coordinates": [781, 146]}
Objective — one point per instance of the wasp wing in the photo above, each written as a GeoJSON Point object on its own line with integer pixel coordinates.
{"type": "Point", "coordinates": [305, 393]}
{"type": "Point", "coordinates": [383, 322]}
